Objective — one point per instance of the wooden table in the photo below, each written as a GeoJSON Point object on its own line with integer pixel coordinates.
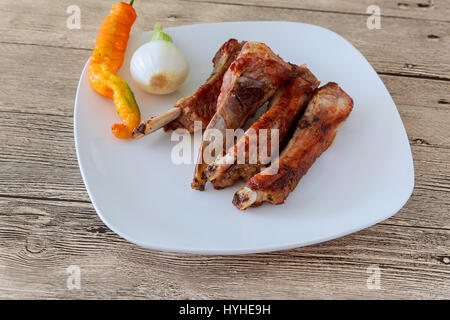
{"type": "Point", "coordinates": [47, 222]}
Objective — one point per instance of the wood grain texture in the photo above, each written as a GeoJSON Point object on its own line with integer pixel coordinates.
{"type": "Point", "coordinates": [426, 9]}
{"type": "Point", "coordinates": [42, 238]}
{"type": "Point", "coordinates": [29, 24]}
{"type": "Point", "coordinates": [47, 222]}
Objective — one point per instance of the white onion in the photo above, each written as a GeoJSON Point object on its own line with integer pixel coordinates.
{"type": "Point", "coordinates": [159, 66]}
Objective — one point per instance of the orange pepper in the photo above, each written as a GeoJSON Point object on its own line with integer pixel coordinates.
{"type": "Point", "coordinates": [106, 60]}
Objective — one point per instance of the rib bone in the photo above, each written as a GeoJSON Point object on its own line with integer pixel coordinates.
{"type": "Point", "coordinates": [200, 106]}
{"type": "Point", "coordinates": [155, 123]}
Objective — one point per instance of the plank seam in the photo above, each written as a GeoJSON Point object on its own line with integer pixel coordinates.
{"type": "Point", "coordinates": [8, 196]}
{"type": "Point", "coordinates": [417, 76]}
{"type": "Point", "coordinates": [85, 201]}
{"type": "Point", "coordinates": [414, 227]}
{"type": "Point", "coordinates": [406, 75]}
{"type": "Point", "coordinates": [311, 10]}
{"type": "Point", "coordinates": [44, 45]}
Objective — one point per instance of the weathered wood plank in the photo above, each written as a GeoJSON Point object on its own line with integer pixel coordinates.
{"type": "Point", "coordinates": [426, 9]}
{"type": "Point", "coordinates": [33, 85]}
{"type": "Point", "coordinates": [40, 63]}
{"type": "Point", "coordinates": [24, 68]}
{"type": "Point", "coordinates": [40, 239]}
{"type": "Point", "coordinates": [38, 155]}
{"type": "Point", "coordinates": [424, 44]}
{"type": "Point", "coordinates": [38, 162]}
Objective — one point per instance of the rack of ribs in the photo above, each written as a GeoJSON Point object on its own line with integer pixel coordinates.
{"type": "Point", "coordinates": [200, 106]}
{"type": "Point", "coordinates": [251, 80]}
{"type": "Point", "coordinates": [316, 130]}
{"type": "Point", "coordinates": [248, 156]}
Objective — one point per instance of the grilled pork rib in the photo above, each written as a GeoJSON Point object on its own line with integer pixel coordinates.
{"type": "Point", "coordinates": [315, 132]}
{"type": "Point", "coordinates": [285, 108]}
{"type": "Point", "coordinates": [251, 80]}
{"type": "Point", "coordinates": [200, 106]}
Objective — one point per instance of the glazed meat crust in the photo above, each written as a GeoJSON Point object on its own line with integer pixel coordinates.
{"type": "Point", "coordinates": [285, 108]}
{"type": "Point", "coordinates": [201, 106]}
{"type": "Point", "coordinates": [316, 130]}
{"type": "Point", "coordinates": [251, 80]}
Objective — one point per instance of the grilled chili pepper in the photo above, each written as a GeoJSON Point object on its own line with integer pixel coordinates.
{"type": "Point", "coordinates": [106, 60]}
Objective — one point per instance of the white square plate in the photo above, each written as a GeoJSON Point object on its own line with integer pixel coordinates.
{"type": "Point", "coordinates": [365, 177]}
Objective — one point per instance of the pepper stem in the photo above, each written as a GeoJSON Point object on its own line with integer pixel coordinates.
{"type": "Point", "coordinates": [131, 2]}
{"type": "Point", "coordinates": [159, 34]}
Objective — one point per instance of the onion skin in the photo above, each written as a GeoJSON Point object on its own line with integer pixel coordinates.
{"type": "Point", "coordinates": [159, 67]}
